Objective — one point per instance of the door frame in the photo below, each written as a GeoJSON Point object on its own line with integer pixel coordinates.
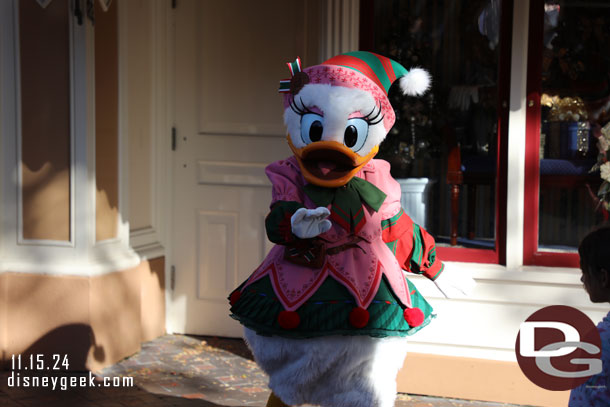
{"type": "Point", "coordinates": [340, 33]}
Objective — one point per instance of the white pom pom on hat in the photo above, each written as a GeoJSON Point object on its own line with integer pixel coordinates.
{"type": "Point", "coordinates": [416, 82]}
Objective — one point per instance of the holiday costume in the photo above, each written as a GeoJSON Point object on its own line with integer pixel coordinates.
{"type": "Point", "coordinates": [360, 274]}
{"type": "Point", "coordinates": [328, 311]}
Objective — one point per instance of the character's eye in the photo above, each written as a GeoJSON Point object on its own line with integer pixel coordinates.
{"type": "Point", "coordinates": [311, 127]}
{"type": "Point", "coordinates": [356, 132]}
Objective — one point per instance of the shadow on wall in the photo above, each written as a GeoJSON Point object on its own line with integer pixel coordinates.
{"type": "Point", "coordinates": [64, 348]}
{"type": "Point", "coordinates": [96, 320]}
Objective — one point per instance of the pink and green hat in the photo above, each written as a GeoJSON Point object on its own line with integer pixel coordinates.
{"type": "Point", "coordinates": [364, 70]}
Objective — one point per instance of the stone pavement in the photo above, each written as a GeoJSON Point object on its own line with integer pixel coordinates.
{"type": "Point", "coordinates": [178, 370]}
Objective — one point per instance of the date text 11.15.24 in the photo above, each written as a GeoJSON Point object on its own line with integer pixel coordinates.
{"type": "Point", "coordinates": [37, 362]}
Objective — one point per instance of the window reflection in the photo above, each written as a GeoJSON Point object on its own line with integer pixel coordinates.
{"type": "Point", "coordinates": [448, 136]}
{"type": "Point", "coordinates": [575, 106]}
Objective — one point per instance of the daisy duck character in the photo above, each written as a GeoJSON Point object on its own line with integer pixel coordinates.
{"type": "Point", "coordinates": [327, 313]}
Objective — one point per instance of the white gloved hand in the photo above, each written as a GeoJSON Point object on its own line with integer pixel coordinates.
{"type": "Point", "coordinates": [455, 284]}
{"type": "Point", "coordinates": [308, 223]}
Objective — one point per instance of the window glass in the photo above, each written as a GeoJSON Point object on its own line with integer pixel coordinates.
{"type": "Point", "coordinates": [44, 65]}
{"type": "Point", "coordinates": [575, 106]}
{"type": "Point", "coordinates": [448, 138]}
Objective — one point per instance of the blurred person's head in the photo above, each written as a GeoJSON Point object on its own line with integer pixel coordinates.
{"type": "Point", "coordinates": [594, 251]}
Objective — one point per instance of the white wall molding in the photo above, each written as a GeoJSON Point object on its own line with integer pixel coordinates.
{"type": "Point", "coordinates": [447, 349]}
{"type": "Point", "coordinates": [108, 259]}
{"type": "Point", "coordinates": [167, 34]}
{"type": "Point", "coordinates": [146, 242]}
{"type": "Point", "coordinates": [485, 324]}
{"type": "Point", "coordinates": [342, 27]}
{"type": "Point", "coordinates": [232, 173]}
{"type": "Point", "coordinates": [163, 122]}
{"type": "Point", "coordinates": [526, 274]}
{"type": "Point", "coordinates": [8, 103]}
{"type": "Point", "coordinates": [240, 129]}
{"type": "Point", "coordinates": [515, 193]}
{"type": "Point", "coordinates": [123, 122]}
{"type": "Point", "coordinates": [149, 241]}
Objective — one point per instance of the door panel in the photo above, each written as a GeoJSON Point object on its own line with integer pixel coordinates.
{"type": "Point", "coordinates": [216, 240]}
{"type": "Point", "coordinates": [229, 58]}
{"type": "Point", "coordinates": [241, 53]}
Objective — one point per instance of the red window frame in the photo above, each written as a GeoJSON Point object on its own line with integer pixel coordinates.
{"type": "Point", "coordinates": [498, 254]}
{"type": "Point", "coordinates": [531, 255]}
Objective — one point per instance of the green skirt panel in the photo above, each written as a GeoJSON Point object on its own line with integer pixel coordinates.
{"type": "Point", "coordinates": [327, 312]}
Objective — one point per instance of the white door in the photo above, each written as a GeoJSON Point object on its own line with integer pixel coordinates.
{"type": "Point", "coordinates": [229, 58]}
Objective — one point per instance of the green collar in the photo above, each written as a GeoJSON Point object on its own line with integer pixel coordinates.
{"type": "Point", "coordinates": [347, 201]}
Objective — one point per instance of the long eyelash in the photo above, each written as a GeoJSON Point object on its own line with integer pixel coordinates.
{"type": "Point", "coordinates": [374, 118]}
{"type": "Point", "coordinates": [300, 110]}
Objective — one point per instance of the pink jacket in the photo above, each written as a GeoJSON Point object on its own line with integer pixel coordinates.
{"type": "Point", "coordinates": [359, 270]}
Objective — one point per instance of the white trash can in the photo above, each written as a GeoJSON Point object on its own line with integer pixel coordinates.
{"type": "Point", "coordinates": [414, 198]}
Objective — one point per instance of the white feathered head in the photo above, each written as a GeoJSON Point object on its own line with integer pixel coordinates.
{"type": "Point", "coordinates": [337, 113]}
